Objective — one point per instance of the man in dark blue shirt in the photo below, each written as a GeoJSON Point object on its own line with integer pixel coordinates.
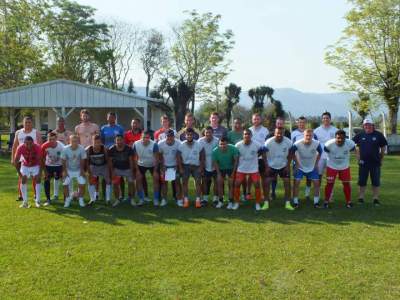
{"type": "Point", "coordinates": [370, 150]}
{"type": "Point", "coordinates": [109, 131]}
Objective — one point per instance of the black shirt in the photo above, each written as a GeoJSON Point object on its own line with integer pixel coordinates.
{"type": "Point", "coordinates": [120, 158]}
{"type": "Point", "coordinates": [369, 145]}
{"type": "Point", "coordinates": [96, 158]}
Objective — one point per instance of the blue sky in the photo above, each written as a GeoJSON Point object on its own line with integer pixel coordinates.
{"type": "Point", "coordinates": [280, 43]}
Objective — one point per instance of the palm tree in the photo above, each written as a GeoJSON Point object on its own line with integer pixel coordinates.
{"type": "Point", "coordinates": [232, 93]}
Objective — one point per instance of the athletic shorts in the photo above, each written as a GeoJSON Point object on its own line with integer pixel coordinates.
{"type": "Point", "coordinates": [209, 174]}
{"type": "Point", "coordinates": [29, 171]}
{"type": "Point", "coordinates": [261, 166]}
{"type": "Point", "coordinates": [322, 165]}
{"type": "Point", "coordinates": [313, 175]}
{"type": "Point", "coordinates": [71, 175]}
{"type": "Point", "coordinates": [118, 173]}
{"type": "Point", "coordinates": [344, 175]}
{"type": "Point", "coordinates": [225, 173]}
{"type": "Point", "coordinates": [177, 175]}
{"type": "Point", "coordinates": [191, 170]}
{"type": "Point", "coordinates": [273, 173]}
{"type": "Point", "coordinates": [373, 171]}
{"type": "Point", "coordinates": [99, 171]}
{"type": "Point", "coordinates": [255, 177]}
{"type": "Point", "coordinates": [143, 170]}
{"type": "Point", "coordinates": [54, 171]}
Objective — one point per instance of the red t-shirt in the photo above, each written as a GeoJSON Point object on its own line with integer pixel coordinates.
{"type": "Point", "coordinates": [158, 132]}
{"type": "Point", "coordinates": [131, 137]}
{"type": "Point", "coordinates": [30, 157]}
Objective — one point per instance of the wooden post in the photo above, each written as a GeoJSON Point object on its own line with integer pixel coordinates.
{"type": "Point", "coordinates": [37, 119]}
{"type": "Point", "coordinates": [12, 120]}
{"type": "Point", "coordinates": [145, 117]}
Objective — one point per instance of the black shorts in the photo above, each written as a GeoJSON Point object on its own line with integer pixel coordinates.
{"type": "Point", "coordinates": [209, 174]}
{"type": "Point", "coordinates": [143, 170]}
{"type": "Point", "coordinates": [54, 171]}
{"type": "Point", "coordinates": [261, 166]}
{"type": "Point", "coordinates": [283, 173]}
{"type": "Point", "coordinates": [373, 171]}
{"type": "Point", "coordinates": [226, 172]}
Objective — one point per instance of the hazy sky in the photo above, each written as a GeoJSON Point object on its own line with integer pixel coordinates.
{"type": "Point", "coordinates": [280, 43]}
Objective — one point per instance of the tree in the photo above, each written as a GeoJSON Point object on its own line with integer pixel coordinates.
{"type": "Point", "coordinates": [131, 87]}
{"type": "Point", "coordinates": [368, 53]}
{"type": "Point", "coordinates": [153, 55]}
{"type": "Point", "coordinates": [199, 48]}
{"type": "Point", "coordinates": [363, 105]}
{"type": "Point", "coordinates": [232, 97]}
{"type": "Point", "coordinates": [258, 96]}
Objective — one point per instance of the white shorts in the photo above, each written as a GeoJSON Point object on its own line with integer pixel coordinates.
{"type": "Point", "coordinates": [29, 171]}
{"type": "Point", "coordinates": [322, 165]}
{"type": "Point", "coordinates": [71, 175]}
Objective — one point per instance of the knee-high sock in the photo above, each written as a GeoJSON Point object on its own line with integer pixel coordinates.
{"type": "Point", "coordinates": [347, 191]}
{"type": "Point", "coordinates": [236, 194]}
{"type": "Point", "coordinates": [258, 195]}
{"type": "Point", "coordinates": [108, 192]}
{"type": "Point", "coordinates": [24, 192]}
{"type": "Point", "coordinates": [92, 192]}
{"type": "Point", "coordinates": [34, 185]}
{"type": "Point", "coordinates": [273, 185]}
{"type": "Point", "coordinates": [56, 187]}
{"type": "Point", "coordinates": [37, 192]}
{"type": "Point", "coordinates": [47, 188]}
{"type": "Point", "coordinates": [328, 190]}
{"type": "Point", "coordinates": [19, 187]}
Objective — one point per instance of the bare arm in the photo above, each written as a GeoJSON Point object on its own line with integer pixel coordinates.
{"type": "Point", "coordinates": [14, 148]}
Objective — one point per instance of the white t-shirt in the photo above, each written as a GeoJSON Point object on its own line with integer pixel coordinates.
{"type": "Point", "coordinates": [73, 157]}
{"type": "Point", "coordinates": [277, 153]}
{"type": "Point", "coordinates": [21, 135]}
{"type": "Point", "coordinates": [53, 155]}
{"type": "Point", "coordinates": [324, 134]}
{"type": "Point", "coordinates": [190, 153]}
{"type": "Point", "coordinates": [169, 152]}
{"type": "Point", "coordinates": [208, 148]}
{"type": "Point", "coordinates": [307, 154]}
{"type": "Point", "coordinates": [339, 156]}
{"type": "Point", "coordinates": [145, 154]}
{"type": "Point", "coordinates": [259, 134]}
{"type": "Point", "coordinates": [248, 157]}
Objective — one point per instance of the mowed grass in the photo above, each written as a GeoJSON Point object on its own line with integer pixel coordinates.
{"type": "Point", "coordinates": [172, 253]}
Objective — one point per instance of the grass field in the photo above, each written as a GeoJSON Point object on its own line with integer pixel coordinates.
{"type": "Point", "coordinates": [127, 253]}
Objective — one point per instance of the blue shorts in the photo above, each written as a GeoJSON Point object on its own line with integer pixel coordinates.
{"type": "Point", "coordinates": [313, 175]}
{"type": "Point", "coordinates": [374, 172]}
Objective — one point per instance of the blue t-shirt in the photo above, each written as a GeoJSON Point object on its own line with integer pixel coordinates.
{"type": "Point", "coordinates": [109, 132]}
{"type": "Point", "coordinates": [369, 145]}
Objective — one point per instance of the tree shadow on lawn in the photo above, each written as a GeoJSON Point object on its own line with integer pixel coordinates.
{"type": "Point", "coordinates": [386, 215]}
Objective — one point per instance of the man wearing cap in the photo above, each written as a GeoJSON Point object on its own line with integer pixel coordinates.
{"type": "Point", "coordinates": [370, 150]}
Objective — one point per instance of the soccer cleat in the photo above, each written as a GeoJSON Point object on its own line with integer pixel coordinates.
{"type": "Point", "coordinates": [179, 203]}
{"type": "Point", "coordinates": [258, 206]}
{"type": "Point", "coordinates": [326, 204]}
{"type": "Point", "coordinates": [198, 203]}
{"type": "Point", "coordinates": [140, 202]}
{"type": "Point", "coordinates": [81, 202]}
{"type": "Point", "coordinates": [67, 202]}
{"type": "Point", "coordinates": [230, 205]}
{"type": "Point", "coordinates": [47, 203]}
{"type": "Point", "coordinates": [91, 203]}
{"type": "Point", "coordinates": [163, 203]}
{"type": "Point", "coordinates": [361, 200]}
{"type": "Point", "coordinates": [349, 205]}
{"type": "Point", "coordinates": [376, 202]}
{"type": "Point", "coordinates": [235, 206]}
{"type": "Point", "coordinates": [147, 199]}
{"type": "Point", "coordinates": [156, 203]}
{"type": "Point", "coordinates": [116, 203]}
{"type": "Point", "coordinates": [186, 203]}
{"type": "Point", "coordinates": [220, 204]}
{"type": "Point", "coordinates": [37, 204]}
{"type": "Point", "coordinates": [288, 206]}
{"type": "Point", "coordinates": [24, 205]}
{"type": "Point", "coordinates": [265, 205]}
{"type": "Point", "coordinates": [132, 202]}
{"type": "Point", "coordinates": [316, 205]}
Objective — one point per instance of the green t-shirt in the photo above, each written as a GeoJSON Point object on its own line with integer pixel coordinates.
{"type": "Point", "coordinates": [225, 159]}
{"type": "Point", "coordinates": [234, 137]}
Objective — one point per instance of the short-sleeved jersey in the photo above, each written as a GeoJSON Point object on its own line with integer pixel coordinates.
{"type": "Point", "coordinates": [298, 135]}
{"type": "Point", "coordinates": [21, 135]}
{"type": "Point", "coordinates": [307, 154]}
{"type": "Point", "coordinates": [73, 157]}
{"type": "Point", "coordinates": [225, 159]}
{"type": "Point", "coordinates": [190, 153]}
{"type": "Point", "coordinates": [324, 134]}
{"type": "Point", "coordinates": [145, 154]}
{"type": "Point", "coordinates": [29, 157]}
{"type": "Point", "coordinates": [109, 132]}
{"type": "Point", "coordinates": [169, 152]}
{"type": "Point", "coordinates": [208, 148]}
{"type": "Point", "coordinates": [339, 156]}
{"type": "Point", "coordinates": [370, 145]}
{"type": "Point", "coordinates": [248, 156]}
{"type": "Point", "coordinates": [219, 132]}
{"type": "Point", "coordinates": [235, 137]}
{"type": "Point", "coordinates": [120, 158]}
{"type": "Point", "coordinates": [259, 134]}
{"type": "Point", "coordinates": [130, 137]}
{"type": "Point", "coordinates": [98, 158]}
{"type": "Point", "coordinates": [52, 155]}
{"type": "Point", "coordinates": [277, 153]}
{"type": "Point", "coordinates": [63, 137]}
{"type": "Point", "coordinates": [86, 132]}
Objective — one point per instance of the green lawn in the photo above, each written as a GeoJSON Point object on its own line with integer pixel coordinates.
{"type": "Point", "coordinates": [127, 253]}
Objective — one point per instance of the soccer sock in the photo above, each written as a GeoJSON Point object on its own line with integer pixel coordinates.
{"type": "Point", "coordinates": [24, 192]}
{"type": "Point", "coordinates": [236, 194]}
{"type": "Point", "coordinates": [258, 195]}
{"type": "Point", "coordinates": [328, 190]}
{"type": "Point", "coordinates": [47, 188]}
{"type": "Point", "coordinates": [34, 186]}
{"type": "Point", "coordinates": [108, 192]}
{"type": "Point", "coordinates": [347, 191]}
{"type": "Point", "coordinates": [156, 195]}
{"type": "Point", "coordinates": [92, 192]}
{"type": "Point", "coordinates": [273, 186]}
{"type": "Point", "coordinates": [37, 192]}
{"type": "Point", "coordinates": [296, 200]}
{"type": "Point", "coordinates": [316, 199]}
{"type": "Point", "coordinates": [307, 191]}
{"type": "Point", "coordinates": [140, 195]}
{"type": "Point", "coordinates": [19, 187]}
{"type": "Point", "coordinates": [56, 187]}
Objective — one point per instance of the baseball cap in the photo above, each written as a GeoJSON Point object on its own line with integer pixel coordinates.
{"type": "Point", "coordinates": [367, 121]}
{"type": "Point", "coordinates": [170, 132]}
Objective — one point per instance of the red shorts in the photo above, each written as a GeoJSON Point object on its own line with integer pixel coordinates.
{"type": "Point", "coordinates": [344, 175]}
{"type": "Point", "coordinates": [255, 177]}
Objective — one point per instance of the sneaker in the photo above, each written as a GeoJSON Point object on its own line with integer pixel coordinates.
{"type": "Point", "coordinates": [265, 205]}
{"type": "Point", "coordinates": [24, 205]}
{"type": "Point", "coordinates": [37, 204]}
{"type": "Point", "coordinates": [326, 204]}
{"type": "Point", "coordinates": [230, 205]}
{"type": "Point", "coordinates": [179, 203]}
{"type": "Point", "coordinates": [163, 203]}
{"type": "Point", "coordinates": [215, 203]}
{"type": "Point", "coordinates": [156, 203]}
{"type": "Point", "coordinates": [116, 203]}
{"type": "Point", "coordinates": [132, 202]}
{"type": "Point", "coordinates": [316, 205]}
{"type": "Point", "coordinates": [147, 199]}
{"type": "Point", "coordinates": [361, 200]}
{"type": "Point", "coordinates": [198, 203]}
{"type": "Point", "coordinates": [235, 206]}
{"type": "Point", "coordinates": [140, 202]}
{"type": "Point", "coordinates": [91, 203]}
{"type": "Point", "coordinates": [349, 205]}
{"type": "Point", "coordinates": [47, 203]}
{"type": "Point", "coordinates": [288, 206]}
{"type": "Point", "coordinates": [186, 203]}
{"type": "Point", "coordinates": [376, 202]}
{"type": "Point", "coordinates": [258, 206]}
{"type": "Point", "coordinates": [220, 204]}
{"type": "Point", "coordinates": [67, 202]}
{"type": "Point", "coordinates": [82, 203]}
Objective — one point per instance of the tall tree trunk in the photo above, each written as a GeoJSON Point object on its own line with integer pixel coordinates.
{"type": "Point", "coordinates": [193, 102]}
{"type": "Point", "coordinates": [393, 112]}
{"type": "Point", "coordinates": [148, 85]}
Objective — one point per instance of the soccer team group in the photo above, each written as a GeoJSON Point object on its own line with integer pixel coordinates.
{"type": "Point", "coordinates": [239, 161]}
